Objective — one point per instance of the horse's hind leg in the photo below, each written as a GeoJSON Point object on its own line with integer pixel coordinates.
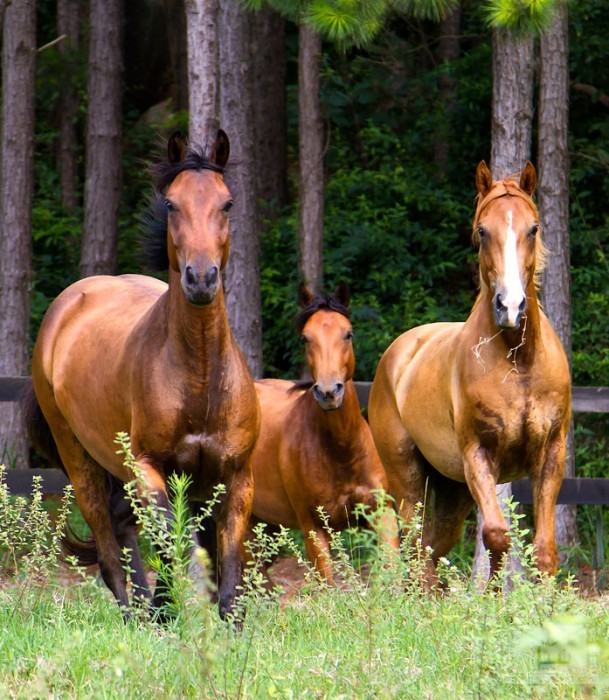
{"type": "Point", "coordinates": [452, 502]}
{"type": "Point", "coordinates": [88, 479]}
{"type": "Point", "coordinates": [90, 482]}
{"type": "Point", "coordinates": [125, 531]}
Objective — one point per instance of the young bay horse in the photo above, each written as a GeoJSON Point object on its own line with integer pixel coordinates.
{"type": "Point", "coordinates": [461, 407]}
{"type": "Point", "coordinates": [158, 361]}
{"type": "Point", "coordinates": [315, 447]}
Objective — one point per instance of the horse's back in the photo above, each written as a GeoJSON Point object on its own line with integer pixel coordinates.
{"type": "Point", "coordinates": [96, 314]}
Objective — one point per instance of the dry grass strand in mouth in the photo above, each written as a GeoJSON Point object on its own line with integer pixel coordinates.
{"type": "Point", "coordinates": [513, 351]}
{"type": "Point", "coordinates": [477, 349]}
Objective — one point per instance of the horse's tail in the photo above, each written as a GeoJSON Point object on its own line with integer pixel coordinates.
{"type": "Point", "coordinates": [83, 549]}
{"type": "Point", "coordinates": [38, 430]}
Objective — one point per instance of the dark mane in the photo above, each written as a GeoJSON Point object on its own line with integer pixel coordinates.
{"type": "Point", "coordinates": [329, 302]}
{"type": "Point", "coordinates": [165, 171]}
{"type": "Point", "coordinates": [153, 239]}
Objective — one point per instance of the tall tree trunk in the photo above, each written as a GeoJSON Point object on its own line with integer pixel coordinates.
{"type": "Point", "coordinates": [553, 157]}
{"type": "Point", "coordinates": [68, 24]}
{"type": "Point", "coordinates": [175, 16]}
{"type": "Point", "coordinates": [270, 121]}
{"type": "Point", "coordinates": [512, 122]}
{"type": "Point", "coordinates": [103, 179]}
{"type": "Point", "coordinates": [448, 51]}
{"type": "Point", "coordinates": [17, 184]}
{"type": "Point", "coordinates": [512, 107]}
{"type": "Point", "coordinates": [203, 70]}
{"type": "Point", "coordinates": [310, 155]}
{"type": "Point", "coordinates": [236, 118]}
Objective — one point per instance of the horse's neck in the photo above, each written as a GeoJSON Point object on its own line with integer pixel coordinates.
{"type": "Point", "coordinates": [337, 427]}
{"type": "Point", "coordinates": [523, 340]}
{"type": "Point", "coordinates": [201, 334]}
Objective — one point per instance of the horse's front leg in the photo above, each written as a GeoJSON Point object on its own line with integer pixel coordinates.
{"type": "Point", "coordinates": [481, 478]}
{"type": "Point", "coordinates": [546, 484]}
{"type": "Point", "coordinates": [151, 488]}
{"type": "Point", "coordinates": [232, 524]}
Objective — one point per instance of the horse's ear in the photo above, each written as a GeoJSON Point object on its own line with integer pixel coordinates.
{"type": "Point", "coordinates": [528, 178]}
{"type": "Point", "coordinates": [221, 150]}
{"type": "Point", "coordinates": [304, 295]}
{"type": "Point", "coordinates": [343, 294]}
{"type": "Point", "coordinates": [176, 147]}
{"type": "Point", "coordinates": [484, 179]}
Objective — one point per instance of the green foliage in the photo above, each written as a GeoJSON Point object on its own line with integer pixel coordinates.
{"type": "Point", "coordinates": [521, 17]}
{"type": "Point", "coordinates": [348, 23]}
{"type": "Point", "coordinates": [375, 635]}
{"type": "Point", "coordinates": [30, 538]}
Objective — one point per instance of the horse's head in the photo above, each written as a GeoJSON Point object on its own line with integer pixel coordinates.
{"type": "Point", "coordinates": [196, 203]}
{"type": "Point", "coordinates": [326, 332]}
{"type": "Point", "coordinates": [506, 228]}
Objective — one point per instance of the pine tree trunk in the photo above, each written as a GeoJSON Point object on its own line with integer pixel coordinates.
{"type": "Point", "coordinates": [68, 24]}
{"type": "Point", "coordinates": [512, 121]}
{"type": "Point", "coordinates": [310, 155]}
{"type": "Point", "coordinates": [448, 52]}
{"type": "Point", "coordinates": [270, 121]}
{"type": "Point", "coordinates": [16, 183]}
{"type": "Point", "coordinates": [553, 193]}
{"type": "Point", "coordinates": [236, 118]}
{"type": "Point", "coordinates": [177, 32]}
{"type": "Point", "coordinates": [203, 70]}
{"type": "Point", "coordinates": [103, 180]}
{"type": "Point", "coordinates": [512, 109]}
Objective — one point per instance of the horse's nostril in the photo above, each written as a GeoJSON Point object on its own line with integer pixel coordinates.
{"type": "Point", "coordinates": [190, 275]}
{"type": "Point", "coordinates": [523, 305]}
{"type": "Point", "coordinates": [498, 301]}
{"type": "Point", "coordinates": [338, 389]}
{"type": "Point", "coordinates": [212, 275]}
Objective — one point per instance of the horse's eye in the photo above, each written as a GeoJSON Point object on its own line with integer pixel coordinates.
{"type": "Point", "coordinates": [169, 205]}
{"type": "Point", "coordinates": [303, 340]}
{"type": "Point", "coordinates": [533, 230]}
{"type": "Point", "coordinates": [227, 207]}
{"type": "Point", "coordinates": [348, 335]}
{"type": "Point", "coordinates": [481, 232]}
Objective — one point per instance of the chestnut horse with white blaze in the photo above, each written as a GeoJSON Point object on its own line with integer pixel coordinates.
{"type": "Point", "coordinates": [158, 361]}
{"type": "Point", "coordinates": [315, 447]}
{"type": "Point", "coordinates": [461, 407]}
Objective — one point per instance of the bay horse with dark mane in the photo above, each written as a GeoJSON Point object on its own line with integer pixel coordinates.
{"type": "Point", "coordinates": [315, 447]}
{"type": "Point", "coordinates": [158, 361]}
{"type": "Point", "coordinates": [461, 407]}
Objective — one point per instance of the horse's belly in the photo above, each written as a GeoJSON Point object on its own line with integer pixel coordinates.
{"type": "Point", "coordinates": [438, 444]}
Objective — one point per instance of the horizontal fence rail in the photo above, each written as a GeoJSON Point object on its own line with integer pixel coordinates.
{"type": "Point", "coordinates": [576, 491]}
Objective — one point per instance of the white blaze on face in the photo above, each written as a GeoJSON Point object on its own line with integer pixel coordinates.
{"type": "Point", "coordinates": [513, 293]}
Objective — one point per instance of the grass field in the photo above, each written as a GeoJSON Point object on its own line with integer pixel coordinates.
{"type": "Point", "coordinates": [377, 636]}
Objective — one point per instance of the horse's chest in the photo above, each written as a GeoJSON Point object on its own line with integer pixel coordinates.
{"type": "Point", "coordinates": [515, 431]}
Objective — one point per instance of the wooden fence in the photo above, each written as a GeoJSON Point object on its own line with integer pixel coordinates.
{"type": "Point", "coordinates": [578, 491]}
{"type": "Point", "coordinates": [574, 491]}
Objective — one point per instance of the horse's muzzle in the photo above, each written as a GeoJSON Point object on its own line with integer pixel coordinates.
{"type": "Point", "coordinates": [508, 316]}
{"type": "Point", "coordinates": [331, 399]}
{"type": "Point", "coordinates": [199, 288]}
